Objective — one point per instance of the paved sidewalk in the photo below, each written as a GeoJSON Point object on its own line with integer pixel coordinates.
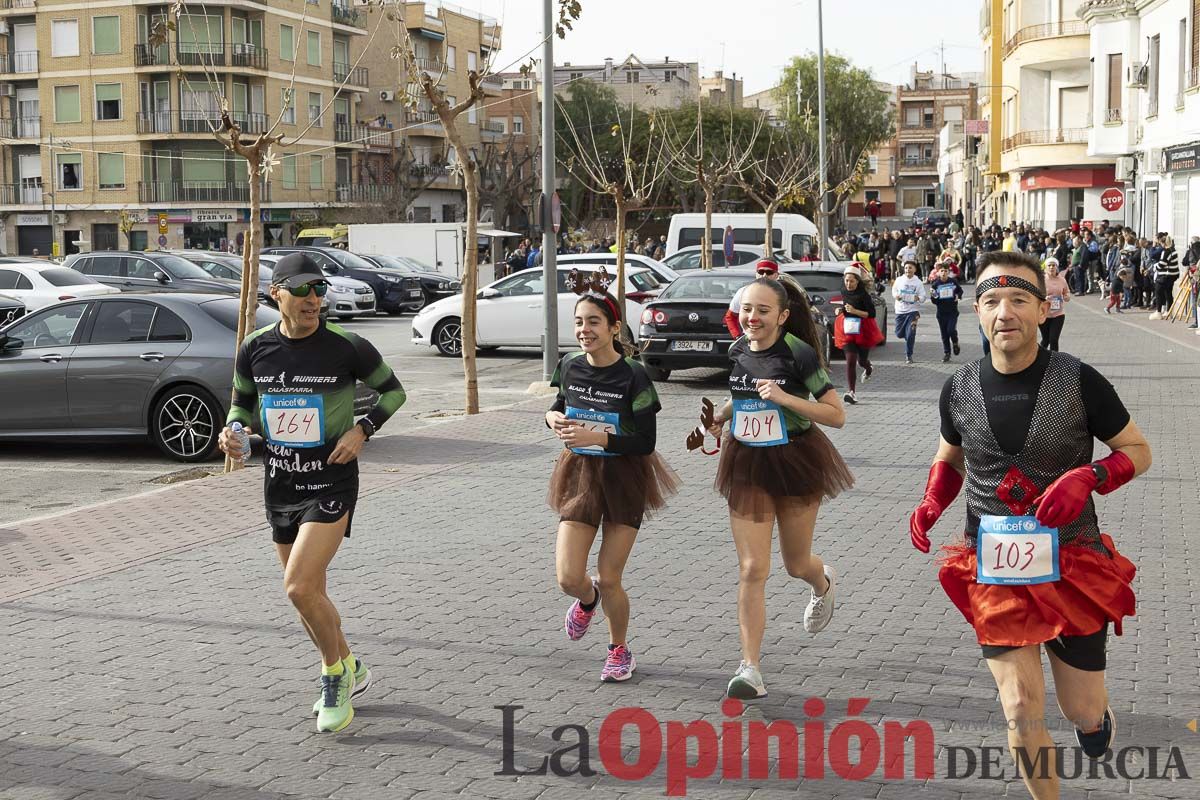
{"type": "Point", "coordinates": [151, 651]}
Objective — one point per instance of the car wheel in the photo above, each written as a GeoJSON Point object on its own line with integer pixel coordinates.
{"type": "Point", "coordinates": [656, 373]}
{"type": "Point", "coordinates": [425, 300]}
{"type": "Point", "coordinates": [185, 424]}
{"type": "Point", "coordinates": [447, 337]}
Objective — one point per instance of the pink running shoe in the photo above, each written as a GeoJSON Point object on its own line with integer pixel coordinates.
{"type": "Point", "coordinates": [619, 666]}
{"type": "Point", "coordinates": [578, 620]}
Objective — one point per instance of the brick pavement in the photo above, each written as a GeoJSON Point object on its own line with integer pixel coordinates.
{"type": "Point", "coordinates": [169, 664]}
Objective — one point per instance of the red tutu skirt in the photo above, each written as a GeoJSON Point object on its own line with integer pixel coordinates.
{"type": "Point", "coordinates": [867, 337]}
{"type": "Point", "coordinates": [1093, 589]}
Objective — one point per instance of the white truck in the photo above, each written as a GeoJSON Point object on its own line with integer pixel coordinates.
{"type": "Point", "coordinates": [440, 245]}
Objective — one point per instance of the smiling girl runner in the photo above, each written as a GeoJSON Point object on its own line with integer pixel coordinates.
{"type": "Point", "coordinates": [608, 473]}
{"type": "Point", "coordinates": [776, 465]}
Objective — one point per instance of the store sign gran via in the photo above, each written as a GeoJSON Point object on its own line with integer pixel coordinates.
{"type": "Point", "coordinates": [214, 215]}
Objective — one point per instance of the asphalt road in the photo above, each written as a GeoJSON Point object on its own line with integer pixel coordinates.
{"type": "Point", "coordinates": [41, 478]}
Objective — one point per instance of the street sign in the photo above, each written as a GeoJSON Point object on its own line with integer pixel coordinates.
{"type": "Point", "coordinates": [975, 127]}
{"type": "Point", "coordinates": [1112, 199]}
{"type": "Point", "coordinates": [162, 224]}
{"type": "Point", "coordinates": [162, 241]}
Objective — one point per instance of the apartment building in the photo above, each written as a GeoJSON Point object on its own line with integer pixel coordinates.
{"type": "Point", "coordinates": [720, 90]}
{"type": "Point", "coordinates": [449, 43]}
{"type": "Point", "coordinates": [97, 120]}
{"type": "Point", "coordinates": [924, 106]}
{"type": "Point", "coordinates": [645, 84]}
{"type": "Point", "coordinates": [1039, 109]}
{"type": "Point", "coordinates": [880, 183]}
{"type": "Point", "coordinates": [1146, 74]}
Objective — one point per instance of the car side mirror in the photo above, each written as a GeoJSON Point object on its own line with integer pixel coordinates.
{"type": "Point", "coordinates": [161, 277]}
{"type": "Point", "coordinates": [816, 300]}
{"type": "Point", "coordinates": [9, 344]}
{"type": "Point", "coordinates": [488, 294]}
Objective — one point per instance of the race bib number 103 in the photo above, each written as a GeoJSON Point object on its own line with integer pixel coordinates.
{"type": "Point", "coordinates": [1016, 551]}
{"type": "Point", "coordinates": [294, 420]}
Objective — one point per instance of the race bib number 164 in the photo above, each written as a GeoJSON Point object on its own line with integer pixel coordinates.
{"type": "Point", "coordinates": [293, 420]}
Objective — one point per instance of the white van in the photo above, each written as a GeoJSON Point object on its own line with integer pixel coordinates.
{"type": "Point", "coordinates": [792, 233]}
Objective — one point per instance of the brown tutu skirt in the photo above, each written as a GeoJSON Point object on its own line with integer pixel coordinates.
{"type": "Point", "coordinates": [618, 489]}
{"type": "Point", "coordinates": [804, 471]}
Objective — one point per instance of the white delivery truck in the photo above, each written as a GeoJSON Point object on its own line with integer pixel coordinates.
{"type": "Point", "coordinates": [440, 245]}
{"type": "Point", "coordinates": [794, 234]}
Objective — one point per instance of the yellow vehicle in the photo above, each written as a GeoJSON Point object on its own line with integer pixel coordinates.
{"type": "Point", "coordinates": [322, 237]}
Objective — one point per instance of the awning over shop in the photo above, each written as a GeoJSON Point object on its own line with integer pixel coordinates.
{"type": "Point", "coordinates": [1069, 178]}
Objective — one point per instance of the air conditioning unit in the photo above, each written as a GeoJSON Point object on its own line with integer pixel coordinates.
{"type": "Point", "coordinates": [387, 95]}
{"type": "Point", "coordinates": [8, 90]}
{"type": "Point", "coordinates": [1124, 168]}
{"type": "Point", "coordinates": [1137, 75]}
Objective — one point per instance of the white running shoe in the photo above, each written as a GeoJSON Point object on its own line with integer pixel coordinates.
{"type": "Point", "coordinates": [747, 683]}
{"type": "Point", "coordinates": [820, 607]}
{"type": "Point", "coordinates": [849, 398]}
{"type": "Point", "coordinates": [1156, 315]}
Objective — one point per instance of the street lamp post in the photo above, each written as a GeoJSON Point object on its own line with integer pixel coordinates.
{"type": "Point", "coordinates": [549, 240]}
{"type": "Point", "coordinates": [824, 219]}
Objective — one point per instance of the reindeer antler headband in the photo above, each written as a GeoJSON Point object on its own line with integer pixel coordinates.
{"type": "Point", "coordinates": [594, 285]}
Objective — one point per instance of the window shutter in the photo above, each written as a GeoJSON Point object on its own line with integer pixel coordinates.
{"type": "Point", "coordinates": [112, 170]}
{"type": "Point", "coordinates": [106, 35]}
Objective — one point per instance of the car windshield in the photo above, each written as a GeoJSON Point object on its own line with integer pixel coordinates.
{"type": "Point", "coordinates": [225, 311]}
{"type": "Point", "coordinates": [819, 282]}
{"type": "Point", "coordinates": [62, 276]}
{"type": "Point", "coordinates": [180, 267]}
{"type": "Point", "coordinates": [392, 262]}
{"type": "Point", "coordinates": [348, 260]}
{"type": "Point", "coordinates": [419, 266]}
{"type": "Point", "coordinates": [705, 286]}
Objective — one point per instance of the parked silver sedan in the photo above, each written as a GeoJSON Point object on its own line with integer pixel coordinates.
{"type": "Point", "coordinates": [126, 366]}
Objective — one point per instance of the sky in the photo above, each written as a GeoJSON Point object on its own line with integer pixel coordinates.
{"type": "Point", "coordinates": [753, 38]}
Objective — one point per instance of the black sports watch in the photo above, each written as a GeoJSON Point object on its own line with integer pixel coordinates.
{"type": "Point", "coordinates": [1101, 474]}
{"type": "Point", "coordinates": [368, 427]}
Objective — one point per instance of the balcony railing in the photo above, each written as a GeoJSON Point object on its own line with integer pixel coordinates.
{"type": "Point", "coordinates": [420, 116]}
{"type": "Point", "coordinates": [492, 129]}
{"type": "Point", "coordinates": [251, 121]}
{"type": "Point", "coordinates": [249, 56]}
{"type": "Point", "coordinates": [345, 15]}
{"type": "Point", "coordinates": [913, 126]}
{"type": "Point", "coordinates": [1049, 30]}
{"type": "Point", "coordinates": [197, 192]}
{"type": "Point", "coordinates": [21, 127]}
{"type": "Point", "coordinates": [1063, 136]}
{"type": "Point", "coordinates": [198, 54]}
{"type": "Point", "coordinates": [356, 76]}
{"type": "Point", "coordinates": [1193, 78]}
{"type": "Point", "coordinates": [20, 61]}
{"type": "Point", "coordinates": [364, 193]}
{"type": "Point", "coordinates": [492, 83]}
{"type": "Point", "coordinates": [1112, 115]}
{"type": "Point", "coordinates": [17, 194]}
{"type": "Point", "coordinates": [433, 66]}
{"type": "Point", "coordinates": [18, 4]}
{"type": "Point", "coordinates": [152, 122]}
{"type": "Point", "coordinates": [156, 122]}
{"type": "Point", "coordinates": [1152, 107]}
{"type": "Point", "coordinates": [146, 56]}
{"type": "Point", "coordinates": [914, 164]}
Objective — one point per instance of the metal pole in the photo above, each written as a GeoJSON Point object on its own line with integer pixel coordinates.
{"type": "Point", "coordinates": [824, 219]}
{"type": "Point", "coordinates": [549, 240]}
{"type": "Point", "coordinates": [53, 202]}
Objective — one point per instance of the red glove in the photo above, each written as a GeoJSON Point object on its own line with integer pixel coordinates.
{"type": "Point", "coordinates": [1064, 500]}
{"type": "Point", "coordinates": [734, 323]}
{"type": "Point", "coordinates": [944, 484]}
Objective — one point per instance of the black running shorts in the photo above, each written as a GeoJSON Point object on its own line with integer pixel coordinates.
{"type": "Point", "coordinates": [326, 508]}
{"type": "Point", "coordinates": [1085, 653]}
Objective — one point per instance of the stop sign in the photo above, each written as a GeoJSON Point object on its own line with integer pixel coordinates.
{"type": "Point", "coordinates": [1112, 199]}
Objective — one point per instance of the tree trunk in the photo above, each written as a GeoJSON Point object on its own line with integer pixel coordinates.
{"type": "Point", "coordinates": [248, 301]}
{"type": "Point", "coordinates": [768, 246]}
{"type": "Point", "coordinates": [619, 197]}
{"type": "Point", "coordinates": [470, 276]}
{"type": "Point", "coordinates": [706, 244]}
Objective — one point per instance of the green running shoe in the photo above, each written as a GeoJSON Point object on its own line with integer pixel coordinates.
{"type": "Point", "coordinates": [362, 682]}
{"type": "Point", "coordinates": [336, 711]}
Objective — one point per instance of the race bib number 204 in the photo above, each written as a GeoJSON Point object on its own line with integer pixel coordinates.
{"type": "Point", "coordinates": [759, 423]}
{"type": "Point", "coordinates": [1016, 551]}
{"type": "Point", "coordinates": [293, 420]}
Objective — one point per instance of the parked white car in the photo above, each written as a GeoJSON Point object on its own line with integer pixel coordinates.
{"type": "Point", "coordinates": [509, 312]}
{"type": "Point", "coordinates": [41, 283]}
{"type": "Point", "coordinates": [661, 271]}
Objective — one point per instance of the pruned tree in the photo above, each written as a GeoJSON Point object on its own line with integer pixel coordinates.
{"type": "Point", "coordinates": [407, 177]}
{"type": "Point", "coordinates": [783, 172]}
{"type": "Point", "coordinates": [629, 173]}
{"type": "Point", "coordinates": [507, 174]}
{"type": "Point", "coordinates": [709, 156]}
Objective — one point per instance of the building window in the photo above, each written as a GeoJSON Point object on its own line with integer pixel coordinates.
{"type": "Point", "coordinates": [575, 76]}
{"type": "Point", "coordinates": [288, 163]}
{"type": "Point", "coordinates": [1114, 88]}
{"type": "Point", "coordinates": [451, 59]}
{"type": "Point", "coordinates": [518, 124]}
{"type": "Point", "coordinates": [112, 170]}
{"type": "Point", "coordinates": [108, 101]}
{"type": "Point", "coordinates": [314, 48]}
{"type": "Point", "coordinates": [316, 171]}
{"type": "Point", "coordinates": [873, 164]}
{"type": "Point", "coordinates": [1155, 50]}
{"type": "Point", "coordinates": [472, 116]}
{"type": "Point", "coordinates": [64, 37]}
{"type": "Point", "coordinates": [448, 213]}
{"type": "Point", "coordinates": [106, 35]}
{"type": "Point", "coordinates": [287, 43]}
{"type": "Point", "coordinates": [314, 108]}
{"type": "Point", "coordinates": [287, 105]}
{"type": "Point", "coordinates": [66, 104]}
{"type": "Point", "coordinates": [633, 76]}
{"type": "Point", "coordinates": [472, 61]}
{"type": "Point", "coordinates": [69, 171]}
{"type": "Point", "coordinates": [669, 75]}
{"type": "Point", "coordinates": [952, 114]}
{"type": "Point", "coordinates": [1183, 57]}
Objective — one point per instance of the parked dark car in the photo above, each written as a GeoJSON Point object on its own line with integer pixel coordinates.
{"type": "Point", "coordinates": [434, 284]}
{"type": "Point", "coordinates": [10, 309]}
{"type": "Point", "coordinates": [126, 366]}
{"type": "Point", "coordinates": [684, 328]}
{"type": "Point", "coordinates": [149, 272]}
{"type": "Point", "coordinates": [927, 217]}
{"type": "Point", "coordinates": [824, 282]}
{"type": "Point", "coordinates": [395, 292]}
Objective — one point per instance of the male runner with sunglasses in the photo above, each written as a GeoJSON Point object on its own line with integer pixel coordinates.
{"type": "Point", "coordinates": [294, 382]}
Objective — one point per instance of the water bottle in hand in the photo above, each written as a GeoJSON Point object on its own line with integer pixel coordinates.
{"type": "Point", "coordinates": [243, 439]}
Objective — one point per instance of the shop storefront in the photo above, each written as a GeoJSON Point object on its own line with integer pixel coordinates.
{"type": "Point", "coordinates": [1051, 198]}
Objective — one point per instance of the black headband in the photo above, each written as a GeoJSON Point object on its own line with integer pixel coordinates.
{"type": "Point", "coordinates": [1003, 281]}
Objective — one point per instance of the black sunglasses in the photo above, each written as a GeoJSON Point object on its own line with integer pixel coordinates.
{"type": "Point", "coordinates": [302, 291]}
